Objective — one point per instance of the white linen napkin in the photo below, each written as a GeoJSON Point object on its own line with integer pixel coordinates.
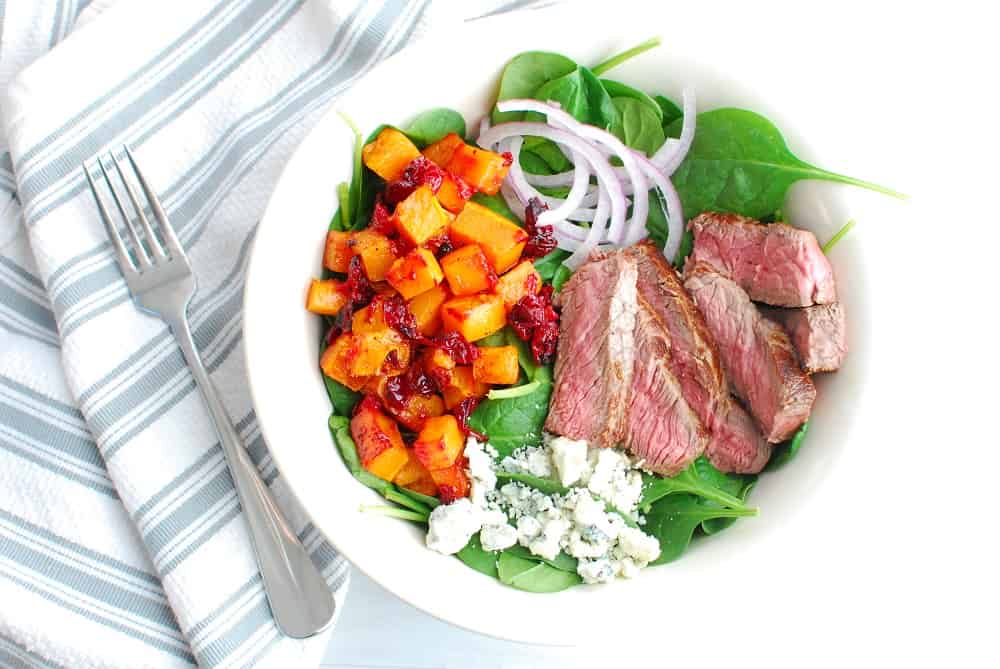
{"type": "Point", "coordinates": [121, 539]}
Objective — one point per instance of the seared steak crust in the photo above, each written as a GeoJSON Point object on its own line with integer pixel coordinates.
{"type": "Point", "coordinates": [819, 334]}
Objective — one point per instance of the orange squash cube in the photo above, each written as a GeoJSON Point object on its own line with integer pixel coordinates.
{"type": "Point", "coordinates": [439, 365]}
{"type": "Point", "coordinates": [369, 353]}
{"type": "Point", "coordinates": [383, 288]}
{"type": "Point", "coordinates": [452, 482]}
{"type": "Point", "coordinates": [481, 169]}
{"type": "Point", "coordinates": [468, 271]}
{"type": "Point", "coordinates": [518, 282]}
{"type": "Point", "coordinates": [440, 442]}
{"type": "Point", "coordinates": [420, 216]}
{"type": "Point", "coordinates": [389, 154]}
{"type": "Point", "coordinates": [416, 409]}
{"type": "Point", "coordinates": [375, 251]}
{"type": "Point", "coordinates": [441, 151]}
{"type": "Point", "coordinates": [426, 309]}
{"type": "Point", "coordinates": [411, 471]}
{"type": "Point", "coordinates": [337, 253]}
{"type": "Point", "coordinates": [474, 316]}
{"type": "Point", "coordinates": [501, 240]}
{"type": "Point", "coordinates": [424, 486]}
{"type": "Point", "coordinates": [453, 193]}
{"type": "Point", "coordinates": [369, 319]}
{"type": "Point", "coordinates": [326, 296]}
{"type": "Point", "coordinates": [378, 441]}
{"type": "Point", "coordinates": [416, 272]}
{"type": "Point", "coordinates": [463, 386]}
{"type": "Point", "coordinates": [496, 364]}
{"type": "Point", "coordinates": [336, 364]}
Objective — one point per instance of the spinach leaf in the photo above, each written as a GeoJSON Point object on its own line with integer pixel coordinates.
{"type": "Point", "coordinates": [562, 275]}
{"type": "Point", "coordinates": [616, 89]}
{"type": "Point", "coordinates": [580, 94]}
{"type": "Point", "coordinates": [525, 73]}
{"type": "Point", "coordinates": [340, 429]}
{"type": "Point", "coordinates": [674, 518]}
{"type": "Point", "coordinates": [532, 163]}
{"type": "Point", "coordinates": [549, 265]}
{"type": "Point", "coordinates": [739, 162]}
{"type": "Point", "coordinates": [838, 236]}
{"type": "Point", "coordinates": [656, 221]}
{"type": "Point", "coordinates": [542, 485]}
{"type": "Point", "coordinates": [496, 204]}
{"type": "Point", "coordinates": [433, 124]}
{"type": "Point", "coordinates": [549, 153]}
{"type": "Point", "coordinates": [700, 478]}
{"type": "Point", "coordinates": [532, 576]}
{"type": "Point", "coordinates": [684, 250]}
{"type": "Point", "coordinates": [669, 111]}
{"type": "Point", "coordinates": [562, 561]}
{"type": "Point", "coordinates": [737, 485]}
{"type": "Point", "coordinates": [514, 422]}
{"type": "Point", "coordinates": [787, 450]}
{"type": "Point", "coordinates": [477, 557]}
{"type": "Point", "coordinates": [342, 398]}
{"type": "Point", "coordinates": [620, 58]}
{"type": "Point", "coordinates": [637, 126]}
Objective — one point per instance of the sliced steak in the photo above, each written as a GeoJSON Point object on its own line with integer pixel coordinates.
{"type": "Point", "coordinates": [593, 369]}
{"type": "Point", "coordinates": [735, 443]}
{"type": "Point", "coordinates": [756, 353]}
{"type": "Point", "coordinates": [775, 263]}
{"type": "Point", "coordinates": [663, 429]}
{"type": "Point", "coordinates": [818, 333]}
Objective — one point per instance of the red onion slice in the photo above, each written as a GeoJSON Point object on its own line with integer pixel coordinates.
{"type": "Point", "coordinates": [670, 156]}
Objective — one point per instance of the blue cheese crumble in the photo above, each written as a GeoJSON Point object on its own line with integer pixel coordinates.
{"type": "Point", "coordinates": [577, 522]}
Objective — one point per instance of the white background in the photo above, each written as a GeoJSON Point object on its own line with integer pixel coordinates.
{"type": "Point", "coordinates": [919, 517]}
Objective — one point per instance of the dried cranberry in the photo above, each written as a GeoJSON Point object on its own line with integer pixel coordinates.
{"type": "Point", "coordinates": [440, 245]}
{"type": "Point", "coordinates": [448, 493]}
{"type": "Point", "coordinates": [455, 345]}
{"type": "Point", "coordinates": [534, 320]}
{"type": "Point", "coordinates": [508, 158]}
{"type": "Point", "coordinates": [462, 412]}
{"type": "Point", "coordinates": [399, 389]}
{"type": "Point", "coordinates": [359, 293]}
{"type": "Point", "coordinates": [398, 316]}
{"type": "Point", "coordinates": [381, 221]}
{"type": "Point", "coordinates": [541, 240]}
{"type": "Point", "coordinates": [418, 173]}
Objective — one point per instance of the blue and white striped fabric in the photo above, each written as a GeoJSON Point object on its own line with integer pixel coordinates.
{"type": "Point", "coordinates": [121, 541]}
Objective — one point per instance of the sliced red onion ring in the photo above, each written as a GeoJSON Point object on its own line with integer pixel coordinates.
{"type": "Point", "coordinates": [559, 209]}
{"type": "Point", "coordinates": [598, 164]}
{"type": "Point", "coordinates": [670, 156]}
{"type": "Point", "coordinates": [557, 117]}
{"type": "Point", "coordinates": [675, 214]}
{"type": "Point", "coordinates": [595, 235]}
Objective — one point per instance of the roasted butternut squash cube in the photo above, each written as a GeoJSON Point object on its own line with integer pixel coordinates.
{"type": "Point", "coordinates": [439, 365]}
{"type": "Point", "coordinates": [338, 253]}
{"type": "Point", "coordinates": [376, 253]}
{"type": "Point", "coordinates": [426, 309]}
{"type": "Point", "coordinates": [379, 352]}
{"type": "Point", "coordinates": [454, 193]}
{"type": "Point", "coordinates": [441, 151]}
{"type": "Point", "coordinates": [452, 482]}
{"type": "Point", "coordinates": [389, 154]}
{"type": "Point", "coordinates": [496, 364]}
{"type": "Point", "coordinates": [411, 471]}
{"type": "Point", "coordinates": [474, 316]}
{"type": "Point", "coordinates": [481, 169]}
{"type": "Point", "coordinates": [463, 386]}
{"type": "Point", "coordinates": [369, 319]}
{"type": "Point", "coordinates": [500, 240]}
{"type": "Point", "coordinates": [420, 216]}
{"type": "Point", "coordinates": [415, 273]}
{"type": "Point", "coordinates": [440, 442]}
{"type": "Point", "coordinates": [380, 445]}
{"type": "Point", "coordinates": [415, 410]}
{"type": "Point", "coordinates": [383, 288]}
{"type": "Point", "coordinates": [326, 296]}
{"type": "Point", "coordinates": [521, 280]}
{"type": "Point", "coordinates": [468, 271]}
{"type": "Point", "coordinates": [336, 364]}
{"type": "Point", "coordinates": [424, 486]}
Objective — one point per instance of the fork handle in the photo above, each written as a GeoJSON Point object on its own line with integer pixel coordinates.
{"type": "Point", "coordinates": [300, 599]}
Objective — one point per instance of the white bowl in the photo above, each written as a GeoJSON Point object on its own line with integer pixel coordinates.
{"type": "Point", "coordinates": [460, 69]}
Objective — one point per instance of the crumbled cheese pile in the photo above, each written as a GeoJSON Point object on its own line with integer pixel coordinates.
{"type": "Point", "coordinates": [577, 522]}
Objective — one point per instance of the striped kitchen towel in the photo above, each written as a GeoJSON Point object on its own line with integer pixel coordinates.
{"type": "Point", "coordinates": [121, 541]}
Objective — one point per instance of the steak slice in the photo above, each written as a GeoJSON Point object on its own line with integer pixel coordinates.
{"type": "Point", "coordinates": [593, 369]}
{"type": "Point", "coordinates": [819, 334]}
{"type": "Point", "coordinates": [756, 353]}
{"type": "Point", "coordinates": [735, 444]}
{"type": "Point", "coordinates": [775, 263]}
{"type": "Point", "coordinates": [663, 429]}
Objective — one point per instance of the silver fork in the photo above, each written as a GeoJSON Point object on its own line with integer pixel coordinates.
{"type": "Point", "coordinates": [160, 279]}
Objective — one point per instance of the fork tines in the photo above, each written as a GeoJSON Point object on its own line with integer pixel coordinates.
{"type": "Point", "coordinates": [156, 243]}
